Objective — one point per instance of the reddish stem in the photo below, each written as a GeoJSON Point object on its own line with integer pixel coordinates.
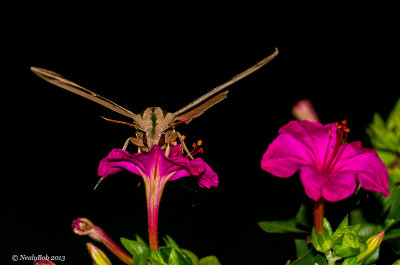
{"type": "Point", "coordinates": [319, 216]}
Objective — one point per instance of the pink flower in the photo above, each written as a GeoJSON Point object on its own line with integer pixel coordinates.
{"type": "Point", "coordinates": [157, 168]}
{"type": "Point", "coordinates": [329, 167]}
{"type": "Point", "coordinates": [304, 110]}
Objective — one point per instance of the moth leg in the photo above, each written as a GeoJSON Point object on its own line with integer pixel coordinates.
{"type": "Point", "coordinates": [184, 145]}
{"type": "Point", "coordinates": [135, 141]}
{"type": "Point", "coordinates": [172, 137]}
{"type": "Point", "coordinates": [167, 150]}
{"type": "Point", "coordinates": [168, 142]}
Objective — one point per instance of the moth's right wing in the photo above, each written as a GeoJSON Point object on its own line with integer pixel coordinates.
{"type": "Point", "coordinates": [198, 106]}
{"type": "Point", "coordinates": [60, 81]}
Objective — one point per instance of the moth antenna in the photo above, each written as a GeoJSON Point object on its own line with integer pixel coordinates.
{"type": "Point", "coordinates": [98, 182]}
{"type": "Point", "coordinates": [124, 123]}
{"type": "Point", "coordinates": [179, 122]}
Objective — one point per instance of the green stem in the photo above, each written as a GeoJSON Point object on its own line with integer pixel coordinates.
{"type": "Point", "coordinates": [330, 258]}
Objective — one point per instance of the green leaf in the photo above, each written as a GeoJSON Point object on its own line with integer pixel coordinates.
{"type": "Point", "coordinates": [307, 259]}
{"type": "Point", "coordinates": [392, 234]}
{"type": "Point", "coordinates": [173, 258]}
{"type": "Point", "coordinates": [327, 229]}
{"type": "Point", "coordinates": [190, 256]}
{"type": "Point", "coordinates": [171, 243]}
{"type": "Point", "coordinates": [393, 121]}
{"type": "Point", "coordinates": [397, 262]}
{"type": "Point", "coordinates": [140, 251]}
{"type": "Point", "coordinates": [301, 216]}
{"type": "Point", "coordinates": [288, 226]}
{"type": "Point", "coordinates": [156, 256]}
{"type": "Point", "coordinates": [346, 241]}
{"type": "Point", "coordinates": [154, 261]}
{"type": "Point", "coordinates": [350, 261]}
{"type": "Point", "coordinates": [320, 260]}
{"type": "Point", "coordinates": [139, 239]}
{"type": "Point", "coordinates": [314, 240]}
{"type": "Point", "coordinates": [394, 201]}
{"type": "Point", "coordinates": [341, 228]}
{"type": "Point", "coordinates": [169, 253]}
{"type": "Point", "coordinates": [387, 157]}
{"type": "Point", "coordinates": [394, 174]}
{"type": "Point", "coordinates": [373, 258]}
{"type": "Point", "coordinates": [378, 121]}
{"type": "Point", "coordinates": [209, 260]}
{"type": "Point", "coordinates": [368, 229]}
{"type": "Point", "coordinates": [301, 247]}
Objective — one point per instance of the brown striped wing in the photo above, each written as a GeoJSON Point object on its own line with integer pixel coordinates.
{"type": "Point", "coordinates": [198, 106]}
{"type": "Point", "coordinates": [60, 81]}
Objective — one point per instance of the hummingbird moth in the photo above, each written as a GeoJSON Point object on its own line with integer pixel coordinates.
{"type": "Point", "coordinates": [154, 125]}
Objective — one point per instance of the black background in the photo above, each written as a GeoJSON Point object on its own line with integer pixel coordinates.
{"type": "Point", "coordinates": [343, 59]}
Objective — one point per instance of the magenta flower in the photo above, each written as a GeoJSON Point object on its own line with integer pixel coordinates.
{"type": "Point", "coordinates": [329, 167]}
{"type": "Point", "coordinates": [304, 110]}
{"type": "Point", "coordinates": [157, 167]}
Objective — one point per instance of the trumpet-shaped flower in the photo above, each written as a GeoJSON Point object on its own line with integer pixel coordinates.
{"type": "Point", "coordinates": [330, 168]}
{"type": "Point", "coordinates": [157, 167]}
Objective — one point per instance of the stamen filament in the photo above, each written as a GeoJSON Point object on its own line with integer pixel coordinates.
{"type": "Point", "coordinates": [195, 150]}
{"type": "Point", "coordinates": [337, 151]}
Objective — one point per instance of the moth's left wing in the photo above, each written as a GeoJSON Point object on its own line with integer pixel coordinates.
{"type": "Point", "coordinates": [60, 81]}
{"type": "Point", "coordinates": [197, 107]}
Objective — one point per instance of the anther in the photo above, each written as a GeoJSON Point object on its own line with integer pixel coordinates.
{"type": "Point", "coordinates": [196, 150]}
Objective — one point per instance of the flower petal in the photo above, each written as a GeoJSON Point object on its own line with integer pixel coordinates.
{"type": "Point", "coordinates": [115, 161]}
{"type": "Point", "coordinates": [175, 164]}
{"type": "Point", "coordinates": [312, 181]}
{"type": "Point", "coordinates": [339, 186]}
{"type": "Point", "coordinates": [298, 144]}
{"type": "Point", "coordinates": [333, 187]}
{"type": "Point", "coordinates": [366, 166]}
{"type": "Point", "coordinates": [207, 178]}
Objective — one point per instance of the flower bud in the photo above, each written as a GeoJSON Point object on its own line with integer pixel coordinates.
{"type": "Point", "coordinates": [98, 256]}
{"type": "Point", "coordinates": [304, 110]}
{"type": "Point", "coordinates": [83, 226]}
{"type": "Point", "coordinates": [372, 244]}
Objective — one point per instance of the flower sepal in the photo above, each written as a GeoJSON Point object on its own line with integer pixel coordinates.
{"type": "Point", "coordinates": [322, 242]}
{"type": "Point", "coordinates": [346, 242]}
{"type": "Point", "coordinates": [170, 253]}
{"type": "Point", "coordinates": [137, 248]}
